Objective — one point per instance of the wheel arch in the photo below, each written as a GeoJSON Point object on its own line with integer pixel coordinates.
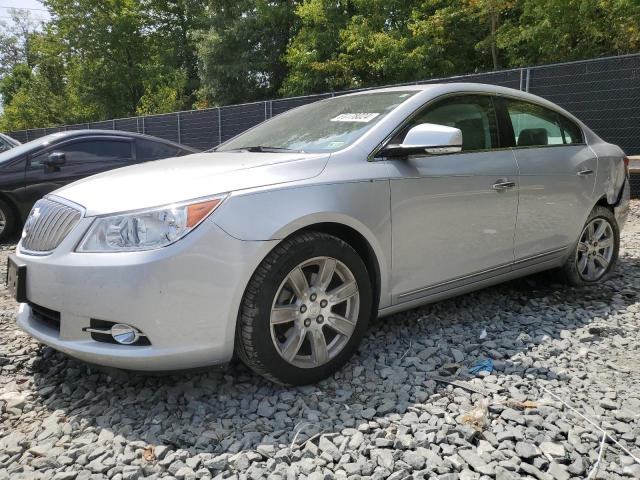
{"type": "Point", "coordinates": [359, 243]}
{"type": "Point", "coordinates": [14, 208]}
{"type": "Point", "coordinates": [603, 201]}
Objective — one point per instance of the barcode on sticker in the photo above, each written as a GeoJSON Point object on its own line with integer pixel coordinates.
{"type": "Point", "coordinates": [355, 117]}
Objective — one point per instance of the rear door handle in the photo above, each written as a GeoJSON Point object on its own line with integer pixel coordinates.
{"type": "Point", "coordinates": [501, 185]}
{"type": "Point", "coordinates": [585, 172]}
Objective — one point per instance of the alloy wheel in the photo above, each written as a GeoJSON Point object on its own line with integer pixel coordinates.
{"type": "Point", "coordinates": [314, 313]}
{"type": "Point", "coordinates": [595, 249]}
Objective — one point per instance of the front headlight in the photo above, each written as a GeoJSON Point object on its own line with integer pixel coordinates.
{"type": "Point", "coordinates": [148, 229]}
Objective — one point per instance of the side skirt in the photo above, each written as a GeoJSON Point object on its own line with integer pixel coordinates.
{"type": "Point", "coordinates": [477, 281]}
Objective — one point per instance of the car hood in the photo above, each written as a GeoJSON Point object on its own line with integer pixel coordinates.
{"type": "Point", "coordinates": [163, 182]}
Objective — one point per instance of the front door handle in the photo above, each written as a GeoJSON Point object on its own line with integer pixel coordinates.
{"type": "Point", "coordinates": [502, 185]}
{"type": "Point", "coordinates": [585, 172]}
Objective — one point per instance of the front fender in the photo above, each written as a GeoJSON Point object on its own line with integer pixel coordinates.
{"type": "Point", "coordinates": [275, 214]}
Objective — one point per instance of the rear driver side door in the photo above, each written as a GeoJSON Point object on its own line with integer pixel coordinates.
{"type": "Point", "coordinates": [557, 179]}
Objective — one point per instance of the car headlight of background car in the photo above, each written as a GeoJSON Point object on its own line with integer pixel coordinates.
{"type": "Point", "coordinates": [148, 229]}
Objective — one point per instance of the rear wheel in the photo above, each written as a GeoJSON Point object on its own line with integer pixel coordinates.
{"type": "Point", "coordinates": [305, 310]}
{"type": "Point", "coordinates": [596, 251]}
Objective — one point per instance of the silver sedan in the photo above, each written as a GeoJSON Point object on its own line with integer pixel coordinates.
{"type": "Point", "coordinates": [282, 243]}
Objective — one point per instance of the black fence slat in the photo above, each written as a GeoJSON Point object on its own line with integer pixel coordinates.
{"type": "Point", "coordinates": [238, 118]}
{"type": "Point", "coordinates": [127, 124]}
{"type": "Point", "coordinates": [199, 128]}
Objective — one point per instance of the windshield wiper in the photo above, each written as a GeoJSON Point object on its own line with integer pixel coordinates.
{"type": "Point", "coordinates": [266, 149]}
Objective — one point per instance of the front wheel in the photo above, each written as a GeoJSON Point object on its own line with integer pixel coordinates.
{"type": "Point", "coordinates": [305, 310]}
{"type": "Point", "coordinates": [596, 251]}
{"type": "Point", "coordinates": [7, 220]}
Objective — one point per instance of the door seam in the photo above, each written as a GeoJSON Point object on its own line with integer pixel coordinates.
{"type": "Point", "coordinates": [515, 225]}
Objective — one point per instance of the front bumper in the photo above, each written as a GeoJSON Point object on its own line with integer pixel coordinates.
{"type": "Point", "coordinates": [183, 297]}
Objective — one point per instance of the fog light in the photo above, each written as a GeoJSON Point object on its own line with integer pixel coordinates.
{"type": "Point", "coordinates": [110, 332]}
{"type": "Point", "coordinates": [124, 334]}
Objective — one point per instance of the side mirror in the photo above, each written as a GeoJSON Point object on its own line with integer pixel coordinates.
{"type": "Point", "coordinates": [426, 138]}
{"type": "Point", "coordinates": [55, 159]}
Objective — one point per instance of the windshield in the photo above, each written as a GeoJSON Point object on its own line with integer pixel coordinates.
{"type": "Point", "coordinates": [324, 126]}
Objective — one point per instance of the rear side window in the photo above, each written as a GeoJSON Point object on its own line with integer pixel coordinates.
{"type": "Point", "coordinates": [474, 115]}
{"type": "Point", "coordinates": [89, 151]}
{"type": "Point", "coordinates": [536, 126]}
{"type": "Point", "coordinates": [149, 150]}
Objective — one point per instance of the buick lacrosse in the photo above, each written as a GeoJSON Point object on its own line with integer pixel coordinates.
{"type": "Point", "coordinates": [282, 243]}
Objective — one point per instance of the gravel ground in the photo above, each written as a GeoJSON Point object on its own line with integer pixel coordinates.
{"type": "Point", "coordinates": [388, 414]}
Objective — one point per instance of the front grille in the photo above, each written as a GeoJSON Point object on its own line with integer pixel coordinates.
{"type": "Point", "coordinates": [45, 316]}
{"type": "Point", "coordinates": [47, 225]}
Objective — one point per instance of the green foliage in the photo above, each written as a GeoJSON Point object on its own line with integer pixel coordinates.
{"type": "Point", "coordinates": [99, 60]}
{"type": "Point", "coordinates": [559, 30]}
{"type": "Point", "coordinates": [240, 53]}
{"type": "Point", "coordinates": [114, 58]}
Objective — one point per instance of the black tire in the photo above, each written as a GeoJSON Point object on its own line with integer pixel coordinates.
{"type": "Point", "coordinates": [570, 271]}
{"type": "Point", "coordinates": [254, 343]}
{"type": "Point", "coordinates": [10, 220]}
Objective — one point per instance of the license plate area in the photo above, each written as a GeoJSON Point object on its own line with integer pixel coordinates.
{"type": "Point", "coordinates": [16, 279]}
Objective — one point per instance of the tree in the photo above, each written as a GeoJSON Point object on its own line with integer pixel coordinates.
{"type": "Point", "coordinates": [492, 13]}
{"type": "Point", "coordinates": [14, 39]}
{"type": "Point", "coordinates": [361, 43]}
{"type": "Point", "coordinates": [240, 53]}
{"type": "Point", "coordinates": [547, 31]}
{"type": "Point", "coordinates": [171, 74]}
{"type": "Point", "coordinates": [311, 56]}
{"type": "Point", "coordinates": [106, 48]}
{"type": "Point", "coordinates": [114, 58]}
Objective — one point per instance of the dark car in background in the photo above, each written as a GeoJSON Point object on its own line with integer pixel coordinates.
{"type": "Point", "coordinates": [7, 142]}
{"type": "Point", "coordinates": [31, 170]}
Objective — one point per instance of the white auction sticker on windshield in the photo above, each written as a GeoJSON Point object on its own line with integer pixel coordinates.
{"type": "Point", "coordinates": [355, 117]}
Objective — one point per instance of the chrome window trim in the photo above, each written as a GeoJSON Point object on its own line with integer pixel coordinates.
{"type": "Point", "coordinates": [560, 114]}
{"type": "Point", "coordinates": [372, 157]}
{"type": "Point", "coordinates": [51, 147]}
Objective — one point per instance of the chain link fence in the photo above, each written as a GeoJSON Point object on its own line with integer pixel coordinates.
{"type": "Point", "coordinates": [603, 92]}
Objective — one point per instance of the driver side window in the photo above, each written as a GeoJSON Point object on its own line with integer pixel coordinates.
{"type": "Point", "coordinates": [473, 115]}
{"type": "Point", "coordinates": [89, 151]}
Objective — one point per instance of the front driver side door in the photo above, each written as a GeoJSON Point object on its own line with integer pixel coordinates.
{"type": "Point", "coordinates": [453, 216]}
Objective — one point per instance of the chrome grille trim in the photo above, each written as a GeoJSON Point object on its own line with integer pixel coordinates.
{"type": "Point", "coordinates": [47, 226]}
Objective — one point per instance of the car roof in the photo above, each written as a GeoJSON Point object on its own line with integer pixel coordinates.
{"type": "Point", "coordinates": [450, 86]}
{"type": "Point", "coordinates": [119, 133]}
{"type": "Point", "coordinates": [437, 89]}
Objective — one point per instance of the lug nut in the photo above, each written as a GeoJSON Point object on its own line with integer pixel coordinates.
{"type": "Point", "coordinates": [303, 308]}
{"type": "Point", "coordinates": [313, 297]}
{"type": "Point", "coordinates": [320, 319]}
{"type": "Point", "coordinates": [307, 322]}
{"type": "Point", "coordinates": [323, 303]}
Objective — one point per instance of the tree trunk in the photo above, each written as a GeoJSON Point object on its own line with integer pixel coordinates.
{"type": "Point", "coordinates": [494, 49]}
